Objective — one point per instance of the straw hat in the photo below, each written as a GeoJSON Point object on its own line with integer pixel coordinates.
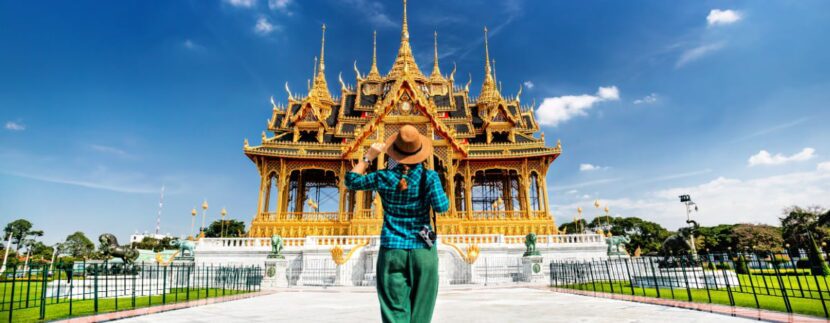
{"type": "Point", "coordinates": [408, 146]}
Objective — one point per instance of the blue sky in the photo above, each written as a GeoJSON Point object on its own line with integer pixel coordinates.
{"type": "Point", "coordinates": [103, 102]}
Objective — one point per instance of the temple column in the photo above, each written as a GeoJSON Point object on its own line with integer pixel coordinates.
{"type": "Point", "coordinates": [282, 190]}
{"type": "Point", "coordinates": [525, 189]}
{"type": "Point", "coordinates": [262, 177]}
{"type": "Point", "coordinates": [544, 187]}
{"type": "Point", "coordinates": [507, 190]}
{"type": "Point", "coordinates": [341, 191]}
{"type": "Point", "coordinates": [267, 194]}
{"type": "Point", "coordinates": [300, 196]}
{"type": "Point", "coordinates": [468, 189]}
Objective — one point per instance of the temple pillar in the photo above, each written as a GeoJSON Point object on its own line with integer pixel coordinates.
{"type": "Point", "coordinates": [468, 189]}
{"type": "Point", "coordinates": [300, 196]}
{"type": "Point", "coordinates": [507, 190]}
{"type": "Point", "coordinates": [544, 186]}
{"type": "Point", "coordinates": [267, 194]}
{"type": "Point", "coordinates": [341, 192]}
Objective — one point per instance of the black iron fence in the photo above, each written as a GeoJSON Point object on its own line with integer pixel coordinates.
{"type": "Point", "coordinates": [44, 291]}
{"type": "Point", "coordinates": [774, 281]}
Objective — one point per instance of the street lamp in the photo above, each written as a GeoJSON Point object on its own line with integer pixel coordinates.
{"type": "Point", "coordinates": [204, 214]}
{"type": "Point", "coordinates": [6, 256]}
{"type": "Point", "coordinates": [578, 222]}
{"type": "Point", "coordinates": [224, 213]}
{"type": "Point", "coordinates": [192, 222]}
{"type": "Point", "coordinates": [687, 200]}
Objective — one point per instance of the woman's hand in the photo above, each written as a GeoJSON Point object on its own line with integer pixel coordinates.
{"type": "Point", "coordinates": [374, 150]}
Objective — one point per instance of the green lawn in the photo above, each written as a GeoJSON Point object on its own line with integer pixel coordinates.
{"type": "Point", "coordinates": [800, 305]}
{"type": "Point", "coordinates": [86, 307]}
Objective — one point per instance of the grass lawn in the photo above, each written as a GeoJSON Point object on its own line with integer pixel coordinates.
{"type": "Point", "coordinates": [87, 307]}
{"type": "Point", "coordinates": [721, 296]}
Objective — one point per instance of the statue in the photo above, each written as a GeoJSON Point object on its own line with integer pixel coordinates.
{"type": "Point", "coordinates": [679, 245]}
{"type": "Point", "coordinates": [184, 246]}
{"type": "Point", "coordinates": [110, 248]}
{"type": "Point", "coordinates": [276, 247]}
{"type": "Point", "coordinates": [616, 245]}
{"type": "Point", "coordinates": [530, 243]}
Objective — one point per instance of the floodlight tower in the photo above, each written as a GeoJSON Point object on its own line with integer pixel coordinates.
{"type": "Point", "coordinates": [687, 200]}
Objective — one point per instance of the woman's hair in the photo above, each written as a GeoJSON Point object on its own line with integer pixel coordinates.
{"type": "Point", "coordinates": [402, 185]}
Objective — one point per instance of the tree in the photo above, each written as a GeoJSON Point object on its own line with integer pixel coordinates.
{"type": "Point", "coordinates": [574, 227]}
{"type": "Point", "coordinates": [78, 245]}
{"type": "Point", "coordinates": [647, 235]}
{"type": "Point", "coordinates": [801, 228]}
{"type": "Point", "coordinates": [758, 237]}
{"type": "Point", "coordinates": [232, 229]}
{"type": "Point", "coordinates": [20, 230]}
{"type": "Point", "coordinates": [717, 238]}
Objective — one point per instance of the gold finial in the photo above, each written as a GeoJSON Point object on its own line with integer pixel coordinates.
{"type": "Point", "coordinates": [436, 71]}
{"type": "Point", "coordinates": [519, 94]}
{"type": "Point", "coordinates": [287, 90]}
{"type": "Point", "coordinates": [323, 51]}
{"type": "Point", "coordinates": [205, 205]}
{"type": "Point", "coordinates": [596, 203]}
{"type": "Point", "coordinates": [405, 62]}
{"type": "Point", "coordinates": [193, 212]}
{"type": "Point", "coordinates": [314, 69]}
{"type": "Point", "coordinates": [224, 212]}
{"type": "Point", "coordinates": [489, 91]}
{"type": "Point", "coordinates": [264, 136]}
{"type": "Point", "coordinates": [606, 210]}
{"type": "Point", "coordinates": [470, 80]}
{"type": "Point", "coordinates": [374, 75]}
{"type": "Point", "coordinates": [495, 78]}
{"type": "Point", "coordinates": [452, 74]}
{"type": "Point", "coordinates": [342, 84]}
{"type": "Point", "coordinates": [356, 71]}
{"type": "Point", "coordinates": [245, 145]}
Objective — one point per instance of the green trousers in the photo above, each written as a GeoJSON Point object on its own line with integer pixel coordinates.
{"type": "Point", "coordinates": [407, 284]}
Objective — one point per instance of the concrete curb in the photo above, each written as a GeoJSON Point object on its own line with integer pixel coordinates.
{"type": "Point", "coordinates": [161, 308]}
{"type": "Point", "coordinates": [744, 312]}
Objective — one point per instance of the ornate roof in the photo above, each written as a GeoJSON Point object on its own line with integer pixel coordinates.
{"type": "Point", "coordinates": [319, 125]}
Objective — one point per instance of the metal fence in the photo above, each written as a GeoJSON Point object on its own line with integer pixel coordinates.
{"type": "Point", "coordinates": [778, 281]}
{"type": "Point", "coordinates": [39, 291]}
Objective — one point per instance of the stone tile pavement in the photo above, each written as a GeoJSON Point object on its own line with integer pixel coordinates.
{"type": "Point", "coordinates": [506, 304]}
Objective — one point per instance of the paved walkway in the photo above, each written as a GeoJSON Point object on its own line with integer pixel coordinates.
{"type": "Point", "coordinates": [514, 304]}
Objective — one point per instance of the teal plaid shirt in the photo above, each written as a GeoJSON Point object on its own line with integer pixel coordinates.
{"type": "Point", "coordinates": [404, 212]}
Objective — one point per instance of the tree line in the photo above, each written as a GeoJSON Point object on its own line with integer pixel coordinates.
{"type": "Point", "coordinates": [801, 228]}
{"type": "Point", "coordinates": [24, 242]}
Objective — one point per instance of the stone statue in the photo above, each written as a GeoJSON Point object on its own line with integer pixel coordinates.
{"type": "Point", "coordinates": [185, 246]}
{"type": "Point", "coordinates": [110, 248]}
{"type": "Point", "coordinates": [679, 245]}
{"type": "Point", "coordinates": [616, 245]}
{"type": "Point", "coordinates": [530, 243]}
{"type": "Point", "coordinates": [276, 247]}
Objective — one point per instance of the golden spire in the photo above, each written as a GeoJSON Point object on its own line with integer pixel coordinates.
{"type": "Point", "coordinates": [489, 91]}
{"type": "Point", "coordinates": [374, 75]}
{"type": "Point", "coordinates": [436, 71]}
{"type": "Point", "coordinates": [405, 62]}
{"type": "Point", "coordinates": [319, 88]}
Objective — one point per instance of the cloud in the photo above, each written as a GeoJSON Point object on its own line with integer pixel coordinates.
{"type": "Point", "coordinates": [556, 110]}
{"type": "Point", "coordinates": [15, 126]}
{"type": "Point", "coordinates": [557, 187]}
{"type": "Point", "coordinates": [192, 45]}
{"type": "Point", "coordinates": [529, 85]}
{"type": "Point", "coordinates": [109, 150]}
{"type": "Point", "coordinates": [696, 53]}
{"type": "Point", "coordinates": [723, 200]}
{"type": "Point", "coordinates": [772, 129]}
{"type": "Point", "coordinates": [648, 99]}
{"type": "Point", "coordinates": [722, 17]}
{"type": "Point", "coordinates": [374, 12]}
{"type": "Point", "coordinates": [590, 167]}
{"type": "Point", "coordinates": [763, 157]}
{"type": "Point", "coordinates": [280, 5]}
{"type": "Point", "coordinates": [102, 184]}
{"type": "Point", "coordinates": [825, 166]}
{"type": "Point", "coordinates": [264, 27]}
{"type": "Point", "coordinates": [242, 3]}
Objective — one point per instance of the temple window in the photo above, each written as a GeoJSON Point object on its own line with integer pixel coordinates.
{"type": "Point", "coordinates": [460, 193]}
{"type": "Point", "coordinates": [312, 191]}
{"type": "Point", "coordinates": [535, 202]}
{"type": "Point", "coordinates": [496, 190]}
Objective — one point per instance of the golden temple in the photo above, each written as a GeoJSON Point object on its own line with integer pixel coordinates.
{"type": "Point", "coordinates": [492, 167]}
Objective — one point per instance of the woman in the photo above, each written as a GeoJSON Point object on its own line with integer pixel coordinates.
{"type": "Point", "coordinates": [407, 268]}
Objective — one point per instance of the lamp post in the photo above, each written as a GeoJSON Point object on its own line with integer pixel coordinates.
{"type": "Point", "coordinates": [204, 214]}
{"type": "Point", "coordinates": [192, 222]}
{"type": "Point", "coordinates": [224, 213]}
{"type": "Point", "coordinates": [578, 222]}
{"type": "Point", "coordinates": [687, 200]}
{"type": "Point", "coordinates": [6, 256]}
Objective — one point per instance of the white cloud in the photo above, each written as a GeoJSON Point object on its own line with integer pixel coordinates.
{"type": "Point", "coordinates": [763, 157]}
{"type": "Point", "coordinates": [109, 150]}
{"type": "Point", "coordinates": [529, 85]}
{"type": "Point", "coordinates": [590, 167]}
{"type": "Point", "coordinates": [556, 110]}
{"type": "Point", "coordinates": [374, 11]}
{"type": "Point", "coordinates": [242, 3]}
{"type": "Point", "coordinates": [264, 27]}
{"type": "Point", "coordinates": [825, 166]}
{"type": "Point", "coordinates": [722, 17]}
{"type": "Point", "coordinates": [723, 200]}
{"type": "Point", "coordinates": [15, 126]}
{"type": "Point", "coordinates": [648, 99]}
{"type": "Point", "coordinates": [696, 53]}
{"type": "Point", "coordinates": [280, 5]}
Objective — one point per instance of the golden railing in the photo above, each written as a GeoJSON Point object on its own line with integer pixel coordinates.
{"type": "Point", "coordinates": [372, 214]}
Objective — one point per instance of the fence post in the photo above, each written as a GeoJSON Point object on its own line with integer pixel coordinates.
{"type": "Point", "coordinates": [752, 282]}
{"type": "Point", "coordinates": [43, 292]}
{"type": "Point", "coordinates": [164, 287]}
{"type": "Point", "coordinates": [821, 296]}
{"type": "Point", "coordinates": [11, 301]}
{"type": "Point", "coordinates": [783, 288]}
{"type": "Point", "coordinates": [686, 278]}
{"type": "Point", "coordinates": [706, 281]}
{"type": "Point", "coordinates": [654, 275]}
{"type": "Point", "coordinates": [608, 272]}
{"type": "Point", "coordinates": [28, 284]}
{"type": "Point", "coordinates": [95, 287]}
{"type": "Point", "coordinates": [630, 279]}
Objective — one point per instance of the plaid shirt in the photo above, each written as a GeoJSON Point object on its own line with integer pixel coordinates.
{"type": "Point", "coordinates": [404, 212]}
